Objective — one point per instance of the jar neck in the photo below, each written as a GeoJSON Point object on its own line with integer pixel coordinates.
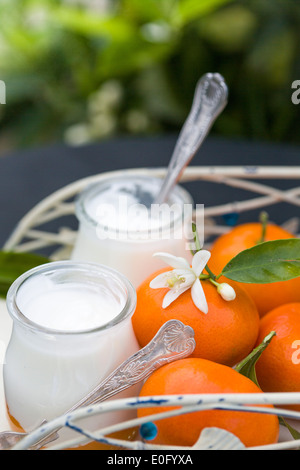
{"type": "Point", "coordinates": [63, 273]}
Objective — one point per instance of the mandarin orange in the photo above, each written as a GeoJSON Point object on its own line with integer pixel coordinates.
{"type": "Point", "coordinates": [227, 246]}
{"type": "Point", "coordinates": [278, 368]}
{"type": "Point", "coordinates": [200, 376]}
{"type": "Point", "coordinates": [226, 334]}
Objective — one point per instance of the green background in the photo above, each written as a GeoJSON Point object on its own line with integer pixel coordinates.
{"type": "Point", "coordinates": [80, 71]}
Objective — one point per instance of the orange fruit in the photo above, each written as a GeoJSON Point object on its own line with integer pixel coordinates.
{"type": "Point", "coordinates": [193, 376]}
{"type": "Point", "coordinates": [226, 334]}
{"type": "Point", "coordinates": [278, 368]}
{"type": "Point", "coordinates": [227, 246]}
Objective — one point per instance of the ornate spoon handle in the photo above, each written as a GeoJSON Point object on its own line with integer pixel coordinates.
{"type": "Point", "coordinates": [173, 341]}
{"type": "Point", "coordinates": [210, 98]}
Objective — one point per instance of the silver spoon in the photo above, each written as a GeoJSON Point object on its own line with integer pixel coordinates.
{"type": "Point", "coordinates": [210, 99]}
{"type": "Point", "coordinates": [173, 341]}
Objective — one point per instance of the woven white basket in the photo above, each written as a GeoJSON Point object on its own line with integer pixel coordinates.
{"type": "Point", "coordinates": [29, 236]}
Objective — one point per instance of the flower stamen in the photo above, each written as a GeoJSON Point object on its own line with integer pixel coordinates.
{"type": "Point", "coordinates": [175, 282]}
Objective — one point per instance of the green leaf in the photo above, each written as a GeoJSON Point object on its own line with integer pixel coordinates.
{"type": "Point", "coordinates": [12, 265]}
{"type": "Point", "coordinates": [268, 262]}
{"type": "Point", "coordinates": [188, 10]}
{"type": "Point", "coordinates": [294, 433]}
{"type": "Point", "coordinates": [247, 366]}
{"type": "Point", "coordinates": [91, 24]}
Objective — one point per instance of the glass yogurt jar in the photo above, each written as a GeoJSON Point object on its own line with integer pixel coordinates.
{"type": "Point", "coordinates": [71, 328]}
{"type": "Point", "coordinates": [119, 225]}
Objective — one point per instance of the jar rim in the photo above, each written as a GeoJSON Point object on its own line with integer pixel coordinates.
{"type": "Point", "coordinates": [83, 216]}
{"type": "Point", "coordinates": [92, 268]}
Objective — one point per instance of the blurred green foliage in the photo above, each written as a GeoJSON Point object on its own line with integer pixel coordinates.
{"type": "Point", "coordinates": [82, 70]}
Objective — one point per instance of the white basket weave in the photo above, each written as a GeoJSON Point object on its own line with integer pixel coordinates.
{"type": "Point", "coordinates": [29, 236]}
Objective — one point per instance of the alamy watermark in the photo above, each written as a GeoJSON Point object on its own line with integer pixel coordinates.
{"type": "Point", "coordinates": [2, 92]}
{"type": "Point", "coordinates": [296, 94]}
{"type": "Point", "coordinates": [136, 222]}
{"type": "Point", "coordinates": [296, 354]}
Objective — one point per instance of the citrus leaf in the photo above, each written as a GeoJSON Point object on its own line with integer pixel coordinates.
{"type": "Point", "coordinates": [12, 265]}
{"type": "Point", "coordinates": [273, 261]}
{"type": "Point", "coordinates": [294, 433]}
{"type": "Point", "coordinates": [247, 366]}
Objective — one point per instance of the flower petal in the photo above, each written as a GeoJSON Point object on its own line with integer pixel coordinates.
{"type": "Point", "coordinates": [160, 281]}
{"type": "Point", "coordinates": [198, 296]}
{"type": "Point", "coordinates": [173, 295]}
{"type": "Point", "coordinates": [171, 260]}
{"type": "Point", "coordinates": [199, 261]}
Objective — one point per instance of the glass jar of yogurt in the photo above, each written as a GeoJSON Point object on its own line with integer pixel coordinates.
{"type": "Point", "coordinates": [119, 226]}
{"type": "Point", "coordinates": [71, 328]}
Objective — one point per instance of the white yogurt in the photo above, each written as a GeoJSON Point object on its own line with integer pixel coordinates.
{"type": "Point", "coordinates": [120, 227]}
{"type": "Point", "coordinates": [67, 308]}
{"type": "Point", "coordinates": [71, 328]}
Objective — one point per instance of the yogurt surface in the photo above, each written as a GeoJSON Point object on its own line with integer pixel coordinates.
{"type": "Point", "coordinates": [68, 307]}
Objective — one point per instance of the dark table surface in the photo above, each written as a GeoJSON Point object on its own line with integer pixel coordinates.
{"type": "Point", "coordinates": [27, 177]}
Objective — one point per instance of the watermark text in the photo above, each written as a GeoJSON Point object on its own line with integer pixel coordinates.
{"type": "Point", "coordinates": [296, 93]}
{"type": "Point", "coordinates": [136, 222]}
{"type": "Point", "coordinates": [296, 354]}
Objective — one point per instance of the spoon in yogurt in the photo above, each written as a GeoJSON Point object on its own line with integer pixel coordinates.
{"type": "Point", "coordinates": [210, 99]}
